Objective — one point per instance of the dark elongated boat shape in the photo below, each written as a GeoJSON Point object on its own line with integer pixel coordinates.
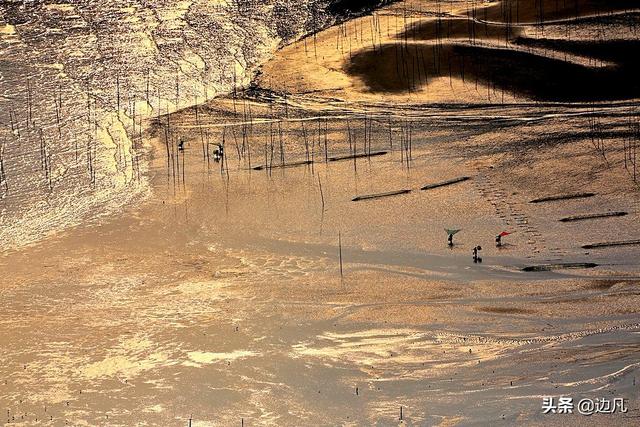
{"type": "Point", "coordinates": [380, 195]}
{"type": "Point", "coordinates": [593, 216]}
{"type": "Point", "coordinates": [611, 244]}
{"type": "Point", "coordinates": [445, 183]}
{"type": "Point", "coordinates": [563, 197]}
{"type": "Point", "coordinates": [357, 156]}
{"type": "Point", "coordinates": [567, 266]}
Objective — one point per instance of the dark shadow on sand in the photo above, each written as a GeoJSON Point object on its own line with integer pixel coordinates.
{"type": "Point", "coordinates": [624, 53]}
{"type": "Point", "coordinates": [458, 29]}
{"type": "Point", "coordinates": [402, 67]}
{"type": "Point", "coordinates": [344, 8]}
{"type": "Point", "coordinates": [539, 11]}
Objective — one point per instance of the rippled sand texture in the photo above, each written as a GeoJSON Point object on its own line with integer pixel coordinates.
{"type": "Point", "coordinates": [185, 319]}
{"type": "Point", "coordinates": [222, 300]}
{"type": "Point", "coordinates": [78, 79]}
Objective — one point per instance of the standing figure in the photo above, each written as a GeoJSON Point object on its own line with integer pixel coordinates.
{"type": "Point", "coordinates": [476, 256]}
{"type": "Point", "coordinates": [499, 238]}
{"type": "Point", "coordinates": [218, 153]}
{"type": "Point", "coordinates": [450, 234]}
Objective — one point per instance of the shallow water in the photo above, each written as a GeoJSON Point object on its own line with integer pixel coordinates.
{"type": "Point", "coordinates": [221, 300]}
{"type": "Point", "coordinates": [78, 80]}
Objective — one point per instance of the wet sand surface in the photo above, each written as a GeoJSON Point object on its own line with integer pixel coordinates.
{"type": "Point", "coordinates": [221, 298]}
{"type": "Point", "coordinates": [79, 79]}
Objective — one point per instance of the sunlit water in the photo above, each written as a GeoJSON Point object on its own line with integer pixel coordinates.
{"type": "Point", "coordinates": [78, 79]}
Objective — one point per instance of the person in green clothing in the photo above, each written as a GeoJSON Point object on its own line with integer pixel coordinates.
{"type": "Point", "coordinates": [450, 234]}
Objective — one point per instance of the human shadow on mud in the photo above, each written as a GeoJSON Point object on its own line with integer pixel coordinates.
{"type": "Point", "coordinates": [402, 67]}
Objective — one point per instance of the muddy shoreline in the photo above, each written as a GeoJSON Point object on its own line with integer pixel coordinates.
{"type": "Point", "coordinates": [267, 297]}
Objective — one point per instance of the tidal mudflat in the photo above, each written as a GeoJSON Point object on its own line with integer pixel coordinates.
{"type": "Point", "coordinates": [301, 275]}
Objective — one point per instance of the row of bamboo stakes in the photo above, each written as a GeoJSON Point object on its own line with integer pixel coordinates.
{"type": "Point", "coordinates": [273, 145]}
